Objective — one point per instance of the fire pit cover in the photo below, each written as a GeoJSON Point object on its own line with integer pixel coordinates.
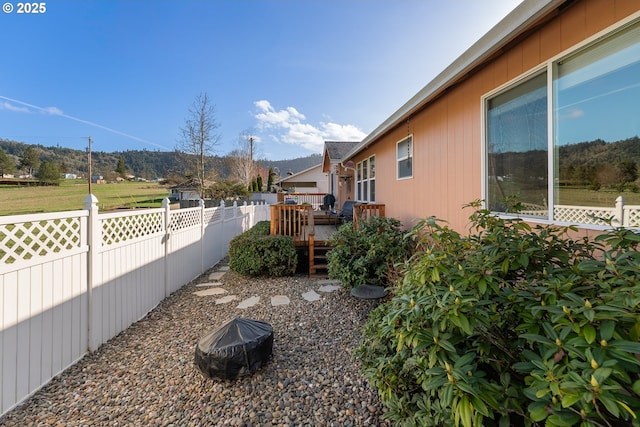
{"type": "Point", "coordinates": [238, 347]}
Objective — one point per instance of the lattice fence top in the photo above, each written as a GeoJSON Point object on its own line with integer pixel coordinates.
{"type": "Point", "coordinates": [583, 214]}
{"type": "Point", "coordinates": [212, 215]}
{"type": "Point", "coordinates": [119, 229]}
{"type": "Point", "coordinates": [632, 216]}
{"type": "Point", "coordinates": [27, 240]}
{"type": "Point", "coordinates": [184, 218]}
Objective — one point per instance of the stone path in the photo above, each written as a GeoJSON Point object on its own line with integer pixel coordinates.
{"type": "Point", "coordinates": [213, 288]}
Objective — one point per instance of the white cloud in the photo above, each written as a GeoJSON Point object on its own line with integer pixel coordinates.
{"type": "Point", "coordinates": [54, 111]}
{"type": "Point", "coordinates": [288, 126]}
{"type": "Point", "coordinates": [8, 106]}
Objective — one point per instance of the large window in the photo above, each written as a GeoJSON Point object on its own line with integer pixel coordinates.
{"type": "Point", "coordinates": [366, 180]}
{"type": "Point", "coordinates": [404, 156]}
{"type": "Point", "coordinates": [517, 146]}
{"type": "Point", "coordinates": [568, 136]}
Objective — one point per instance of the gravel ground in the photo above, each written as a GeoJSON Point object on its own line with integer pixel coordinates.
{"type": "Point", "coordinates": [146, 375]}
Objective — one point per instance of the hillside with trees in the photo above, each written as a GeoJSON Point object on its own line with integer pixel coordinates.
{"type": "Point", "coordinates": [138, 163]}
{"type": "Point", "coordinates": [593, 164]}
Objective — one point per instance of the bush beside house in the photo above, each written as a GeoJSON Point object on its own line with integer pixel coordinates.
{"type": "Point", "coordinates": [510, 325]}
{"type": "Point", "coordinates": [368, 254]}
{"type": "Point", "coordinates": [255, 253]}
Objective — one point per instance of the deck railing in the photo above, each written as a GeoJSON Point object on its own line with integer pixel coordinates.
{"type": "Point", "coordinates": [363, 211]}
{"type": "Point", "coordinates": [314, 199]}
{"type": "Point", "coordinates": [292, 220]}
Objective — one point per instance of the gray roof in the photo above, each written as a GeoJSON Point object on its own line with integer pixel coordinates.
{"type": "Point", "coordinates": [521, 18]}
{"type": "Point", "coordinates": [338, 149]}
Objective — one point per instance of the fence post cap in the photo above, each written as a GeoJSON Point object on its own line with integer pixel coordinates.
{"type": "Point", "coordinates": [90, 201]}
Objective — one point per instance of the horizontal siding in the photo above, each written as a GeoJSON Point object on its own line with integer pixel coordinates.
{"type": "Point", "coordinates": [447, 133]}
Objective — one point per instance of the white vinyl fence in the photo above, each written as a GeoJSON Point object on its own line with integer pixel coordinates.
{"type": "Point", "coordinates": [620, 215]}
{"type": "Point", "coordinates": [70, 281]}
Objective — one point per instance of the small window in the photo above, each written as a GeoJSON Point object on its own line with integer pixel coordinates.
{"type": "Point", "coordinates": [405, 158]}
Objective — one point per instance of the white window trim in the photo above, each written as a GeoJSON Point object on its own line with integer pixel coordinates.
{"type": "Point", "coordinates": [411, 155]}
{"type": "Point", "coordinates": [550, 66]}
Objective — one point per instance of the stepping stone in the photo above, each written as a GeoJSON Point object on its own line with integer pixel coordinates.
{"type": "Point", "coordinates": [311, 296]}
{"type": "Point", "coordinates": [328, 282]}
{"type": "Point", "coordinates": [369, 292]}
{"type": "Point", "coordinates": [224, 268]}
{"type": "Point", "coordinates": [226, 299]}
{"type": "Point", "coordinates": [216, 275]}
{"type": "Point", "coordinates": [211, 291]}
{"type": "Point", "coordinates": [329, 288]}
{"type": "Point", "coordinates": [209, 284]}
{"type": "Point", "coordinates": [249, 302]}
{"type": "Point", "coordinates": [279, 300]}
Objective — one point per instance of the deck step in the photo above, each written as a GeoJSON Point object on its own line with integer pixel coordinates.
{"type": "Point", "coordinates": [320, 263]}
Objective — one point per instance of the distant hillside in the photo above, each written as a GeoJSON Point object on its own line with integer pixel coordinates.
{"type": "Point", "coordinates": [142, 163]}
{"type": "Point", "coordinates": [293, 165]}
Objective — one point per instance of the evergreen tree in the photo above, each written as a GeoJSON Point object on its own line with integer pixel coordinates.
{"type": "Point", "coordinates": [120, 169]}
{"type": "Point", "coordinates": [7, 166]}
{"type": "Point", "coordinates": [270, 179]}
{"type": "Point", "coordinates": [30, 160]}
{"type": "Point", "coordinates": [49, 172]}
{"type": "Point", "coordinates": [259, 183]}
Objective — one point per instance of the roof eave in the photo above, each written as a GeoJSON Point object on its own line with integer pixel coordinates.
{"type": "Point", "coordinates": [526, 13]}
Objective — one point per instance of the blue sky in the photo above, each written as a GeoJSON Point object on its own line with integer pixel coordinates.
{"type": "Point", "coordinates": [292, 73]}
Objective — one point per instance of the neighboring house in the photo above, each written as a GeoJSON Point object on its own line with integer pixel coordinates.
{"type": "Point", "coordinates": [186, 191]}
{"type": "Point", "coordinates": [339, 175]}
{"type": "Point", "coordinates": [70, 176]}
{"type": "Point", "coordinates": [98, 179]}
{"type": "Point", "coordinates": [311, 180]}
{"type": "Point", "coordinates": [505, 117]}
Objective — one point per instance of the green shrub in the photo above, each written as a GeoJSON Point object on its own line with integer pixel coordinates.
{"type": "Point", "coordinates": [510, 325]}
{"type": "Point", "coordinates": [367, 255]}
{"type": "Point", "coordinates": [255, 252]}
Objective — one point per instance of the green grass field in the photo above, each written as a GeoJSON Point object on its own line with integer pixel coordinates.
{"type": "Point", "coordinates": [70, 196]}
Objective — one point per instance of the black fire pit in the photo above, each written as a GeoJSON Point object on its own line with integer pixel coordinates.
{"type": "Point", "coordinates": [237, 348]}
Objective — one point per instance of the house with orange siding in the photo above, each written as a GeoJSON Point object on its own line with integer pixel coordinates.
{"type": "Point", "coordinates": [525, 113]}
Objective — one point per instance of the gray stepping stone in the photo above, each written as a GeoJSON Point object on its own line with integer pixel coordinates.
{"type": "Point", "coordinates": [311, 296]}
{"type": "Point", "coordinates": [279, 300]}
{"type": "Point", "coordinates": [369, 292]}
{"type": "Point", "coordinates": [208, 285]}
{"type": "Point", "coordinates": [249, 302]}
{"type": "Point", "coordinates": [224, 268]}
{"type": "Point", "coordinates": [211, 291]}
{"type": "Point", "coordinates": [329, 288]}
{"type": "Point", "coordinates": [226, 299]}
{"type": "Point", "coordinates": [329, 282]}
{"type": "Point", "coordinates": [216, 275]}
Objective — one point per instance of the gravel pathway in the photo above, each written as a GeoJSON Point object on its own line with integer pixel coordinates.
{"type": "Point", "coordinates": [146, 375]}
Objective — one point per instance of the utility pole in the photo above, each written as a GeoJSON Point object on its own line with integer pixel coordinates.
{"type": "Point", "coordinates": [89, 160]}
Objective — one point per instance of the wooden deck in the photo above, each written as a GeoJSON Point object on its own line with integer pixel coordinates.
{"type": "Point", "coordinates": [310, 229]}
{"type": "Point", "coordinates": [323, 232]}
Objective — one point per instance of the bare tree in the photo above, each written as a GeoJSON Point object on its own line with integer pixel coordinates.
{"type": "Point", "coordinates": [243, 166]}
{"type": "Point", "coordinates": [198, 138]}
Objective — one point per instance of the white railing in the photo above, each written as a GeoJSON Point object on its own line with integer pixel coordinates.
{"type": "Point", "coordinates": [70, 281]}
{"type": "Point", "coordinates": [621, 215]}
